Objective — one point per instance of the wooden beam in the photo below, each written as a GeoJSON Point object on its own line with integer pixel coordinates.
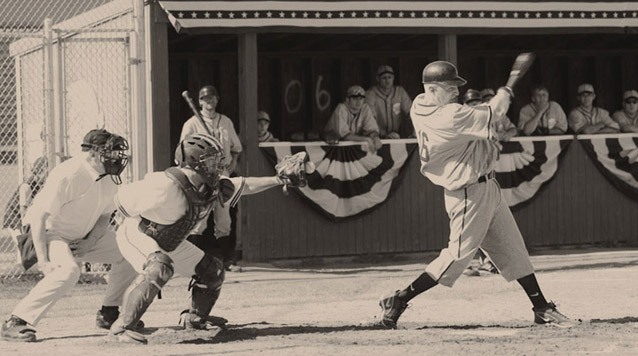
{"type": "Point", "coordinates": [158, 89]}
{"type": "Point", "coordinates": [447, 48]}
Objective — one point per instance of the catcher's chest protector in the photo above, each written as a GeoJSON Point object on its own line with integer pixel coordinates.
{"type": "Point", "coordinates": [168, 237]}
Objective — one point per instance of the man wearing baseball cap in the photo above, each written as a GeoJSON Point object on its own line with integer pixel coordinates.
{"type": "Point", "coordinates": [263, 122]}
{"type": "Point", "coordinates": [353, 120]}
{"type": "Point", "coordinates": [390, 104]}
{"type": "Point", "coordinates": [222, 128]}
{"type": "Point", "coordinates": [627, 117]}
{"type": "Point", "coordinates": [588, 119]}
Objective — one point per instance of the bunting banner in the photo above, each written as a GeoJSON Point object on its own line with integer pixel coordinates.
{"type": "Point", "coordinates": [348, 180]}
{"type": "Point", "coordinates": [527, 163]}
{"type": "Point", "coordinates": [616, 157]}
{"type": "Point", "coordinates": [190, 15]}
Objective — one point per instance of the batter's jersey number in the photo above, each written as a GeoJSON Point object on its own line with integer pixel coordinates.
{"type": "Point", "coordinates": [423, 147]}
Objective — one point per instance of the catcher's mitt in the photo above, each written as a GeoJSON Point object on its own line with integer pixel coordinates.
{"type": "Point", "coordinates": [291, 171]}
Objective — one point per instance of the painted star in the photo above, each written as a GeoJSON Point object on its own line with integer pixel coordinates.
{"type": "Point", "coordinates": [193, 14]}
{"type": "Point", "coordinates": [244, 15]}
{"type": "Point", "coordinates": [207, 14]}
{"type": "Point", "coordinates": [256, 14]}
{"type": "Point", "coordinates": [269, 14]}
{"type": "Point", "coordinates": [342, 14]}
{"type": "Point", "coordinates": [219, 15]}
{"type": "Point", "coordinates": [231, 15]}
{"type": "Point", "coordinates": [305, 14]}
{"type": "Point", "coordinates": [180, 14]}
{"type": "Point", "coordinates": [293, 14]}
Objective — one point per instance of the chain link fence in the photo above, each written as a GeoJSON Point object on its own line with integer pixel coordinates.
{"type": "Point", "coordinates": [64, 69]}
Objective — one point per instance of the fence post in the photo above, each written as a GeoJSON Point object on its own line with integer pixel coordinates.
{"type": "Point", "coordinates": [49, 129]}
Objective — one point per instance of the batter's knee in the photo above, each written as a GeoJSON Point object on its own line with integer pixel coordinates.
{"type": "Point", "coordinates": [158, 269]}
{"type": "Point", "coordinates": [69, 272]}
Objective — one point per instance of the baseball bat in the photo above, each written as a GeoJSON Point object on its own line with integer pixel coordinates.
{"type": "Point", "coordinates": [521, 65]}
{"type": "Point", "coordinates": [189, 100]}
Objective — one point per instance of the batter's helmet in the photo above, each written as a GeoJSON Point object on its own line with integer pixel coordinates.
{"type": "Point", "coordinates": [442, 72]}
{"type": "Point", "coordinates": [204, 154]}
{"type": "Point", "coordinates": [471, 95]}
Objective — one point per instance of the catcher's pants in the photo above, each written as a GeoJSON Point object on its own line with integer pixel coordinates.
{"type": "Point", "coordinates": [58, 282]}
{"type": "Point", "coordinates": [137, 246]}
{"type": "Point", "coordinates": [221, 214]}
{"type": "Point", "coordinates": [479, 217]}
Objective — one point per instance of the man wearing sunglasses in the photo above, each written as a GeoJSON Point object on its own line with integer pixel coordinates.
{"type": "Point", "coordinates": [627, 118]}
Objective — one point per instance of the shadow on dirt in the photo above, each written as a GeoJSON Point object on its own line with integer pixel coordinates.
{"type": "Point", "coordinates": [252, 331]}
{"type": "Point", "coordinates": [624, 320]}
{"type": "Point", "coordinates": [473, 327]}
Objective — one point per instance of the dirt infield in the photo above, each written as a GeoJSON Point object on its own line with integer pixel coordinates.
{"type": "Point", "coordinates": [332, 311]}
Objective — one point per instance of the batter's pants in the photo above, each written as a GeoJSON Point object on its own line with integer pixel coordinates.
{"type": "Point", "coordinates": [479, 217]}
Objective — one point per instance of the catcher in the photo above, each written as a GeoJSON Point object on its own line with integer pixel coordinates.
{"type": "Point", "coordinates": [163, 209]}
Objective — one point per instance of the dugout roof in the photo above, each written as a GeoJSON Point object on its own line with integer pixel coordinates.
{"type": "Point", "coordinates": [195, 15]}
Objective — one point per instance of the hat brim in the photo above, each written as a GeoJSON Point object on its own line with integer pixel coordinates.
{"type": "Point", "coordinates": [454, 82]}
{"type": "Point", "coordinates": [586, 91]}
{"type": "Point", "coordinates": [630, 97]}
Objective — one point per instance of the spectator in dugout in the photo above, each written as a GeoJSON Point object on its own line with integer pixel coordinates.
{"type": "Point", "coordinates": [263, 123]}
{"type": "Point", "coordinates": [627, 117]}
{"type": "Point", "coordinates": [505, 129]}
{"type": "Point", "coordinates": [542, 116]}
{"type": "Point", "coordinates": [391, 105]}
{"type": "Point", "coordinates": [353, 120]}
{"type": "Point", "coordinates": [587, 118]}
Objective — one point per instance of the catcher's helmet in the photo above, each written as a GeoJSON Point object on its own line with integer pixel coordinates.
{"type": "Point", "coordinates": [204, 154]}
{"type": "Point", "coordinates": [442, 72]}
{"type": "Point", "coordinates": [471, 95]}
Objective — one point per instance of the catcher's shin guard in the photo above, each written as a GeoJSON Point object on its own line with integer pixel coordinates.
{"type": "Point", "coordinates": [157, 271]}
{"type": "Point", "coordinates": [205, 289]}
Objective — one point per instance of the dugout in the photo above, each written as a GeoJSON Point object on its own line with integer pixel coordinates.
{"type": "Point", "coordinates": [295, 60]}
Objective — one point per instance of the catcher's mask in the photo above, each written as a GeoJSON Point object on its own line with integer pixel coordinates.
{"type": "Point", "coordinates": [202, 153]}
{"type": "Point", "coordinates": [111, 149]}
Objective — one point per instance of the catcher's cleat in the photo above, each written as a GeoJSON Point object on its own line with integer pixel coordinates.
{"type": "Point", "coordinates": [192, 321]}
{"type": "Point", "coordinates": [392, 307]}
{"type": "Point", "coordinates": [16, 329]}
{"type": "Point", "coordinates": [106, 316]}
{"type": "Point", "coordinates": [551, 316]}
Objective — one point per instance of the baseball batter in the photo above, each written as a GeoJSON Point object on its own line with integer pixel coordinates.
{"type": "Point", "coordinates": [457, 150]}
{"type": "Point", "coordinates": [161, 211]}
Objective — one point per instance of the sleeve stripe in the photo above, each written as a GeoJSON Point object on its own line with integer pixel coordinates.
{"type": "Point", "coordinates": [489, 123]}
{"type": "Point", "coordinates": [238, 192]}
{"type": "Point", "coordinates": [120, 207]}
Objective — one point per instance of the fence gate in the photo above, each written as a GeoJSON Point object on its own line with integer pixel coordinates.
{"type": "Point", "coordinates": [63, 72]}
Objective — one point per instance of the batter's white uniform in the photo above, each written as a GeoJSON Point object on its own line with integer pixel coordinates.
{"type": "Point", "coordinates": [75, 197]}
{"type": "Point", "coordinates": [457, 151]}
{"type": "Point", "coordinates": [159, 199]}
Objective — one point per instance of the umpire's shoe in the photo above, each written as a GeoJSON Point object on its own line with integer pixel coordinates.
{"type": "Point", "coordinates": [392, 307]}
{"type": "Point", "coordinates": [551, 316]}
{"type": "Point", "coordinates": [120, 334]}
{"type": "Point", "coordinates": [106, 316]}
{"type": "Point", "coordinates": [16, 329]}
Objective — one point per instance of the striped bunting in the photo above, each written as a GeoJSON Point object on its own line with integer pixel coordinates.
{"type": "Point", "coordinates": [348, 180]}
{"type": "Point", "coordinates": [526, 163]}
{"type": "Point", "coordinates": [185, 14]}
{"type": "Point", "coordinates": [616, 156]}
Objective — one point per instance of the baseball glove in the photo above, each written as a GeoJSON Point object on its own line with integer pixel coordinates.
{"type": "Point", "coordinates": [291, 171]}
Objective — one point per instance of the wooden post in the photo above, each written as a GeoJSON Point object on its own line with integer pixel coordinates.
{"type": "Point", "coordinates": [247, 91]}
{"type": "Point", "coordinates": [447, 48]}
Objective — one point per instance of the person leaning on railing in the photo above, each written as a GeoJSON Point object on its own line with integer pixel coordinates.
{"type": "Point", "coordinates": [587, 118]}
{"type": "Point", "coordinates": [541, 116]}
{"type": "Point", "coordinates": [627, 117]}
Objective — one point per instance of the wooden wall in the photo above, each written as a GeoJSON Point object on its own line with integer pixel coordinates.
{"type": "Point", "coordinates": [578, 207]}
{"type": "Point", "coordinates": [301, 78]}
